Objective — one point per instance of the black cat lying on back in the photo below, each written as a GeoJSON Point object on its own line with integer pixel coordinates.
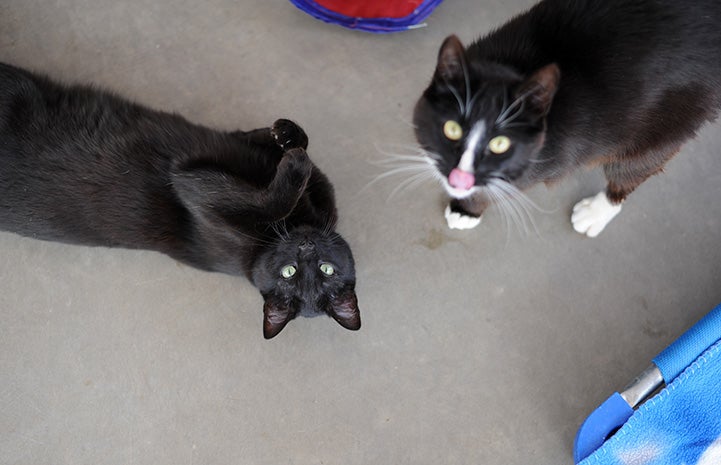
{"type": "Point", "coordinates": [82, 166]}
{"type": "Point", "coordinates": [620, 83]}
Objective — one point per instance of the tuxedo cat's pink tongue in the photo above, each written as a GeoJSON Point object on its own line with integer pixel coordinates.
{"type": "Point", "coordinates": [461, 179]}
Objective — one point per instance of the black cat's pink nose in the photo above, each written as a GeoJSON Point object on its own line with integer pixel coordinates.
{"type": "Point", "coordinates": [460, 179]}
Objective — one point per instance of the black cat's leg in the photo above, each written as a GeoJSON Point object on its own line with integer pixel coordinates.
{"type": "Point", "coordinates": [284, 134]}
{"type": "Point", "coordinates": [592, 215]}
{"type": "Point", "coordinates": [322, 200]}
{"type": "Point", "coordinates": [215, 194]}
{"type": "Point", "coordinates": [466, 213]}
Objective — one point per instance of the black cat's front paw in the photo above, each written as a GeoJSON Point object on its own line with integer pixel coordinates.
{"type": "Point", "coordinates": [295, 168]}
{"type": "Point", "coordinates": [289, 135]}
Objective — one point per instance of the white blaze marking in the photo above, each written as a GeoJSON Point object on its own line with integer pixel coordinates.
{"type": "Point", "coordinates": [469, 155]}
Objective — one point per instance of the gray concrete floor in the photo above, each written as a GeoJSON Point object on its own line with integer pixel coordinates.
{"type": "Point", "coordinates": [480, 347]}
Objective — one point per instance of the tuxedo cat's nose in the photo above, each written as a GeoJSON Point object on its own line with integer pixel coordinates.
{"type": "Point", "coordinates": [461, 179]}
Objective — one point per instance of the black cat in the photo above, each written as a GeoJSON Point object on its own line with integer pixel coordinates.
{"type": "Point", "coordinates": [83, 166]}
{"type": "Point", "coordinates": [620, 83]}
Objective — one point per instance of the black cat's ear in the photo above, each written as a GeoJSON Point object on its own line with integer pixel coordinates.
{"type": "Point", "coordinates": [540, 88]}
{"type": "Point", "coordinates": [344, 309]}
{"type": "Point", "coordinates": [451, 59]}
{"type": "Point", "coordinates": [276, 314]}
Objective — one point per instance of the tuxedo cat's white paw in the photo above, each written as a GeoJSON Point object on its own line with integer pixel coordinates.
{"type": "Point", "coordinates": [459, 221]}
{"type": "Point", "coordinates": [592, 214]}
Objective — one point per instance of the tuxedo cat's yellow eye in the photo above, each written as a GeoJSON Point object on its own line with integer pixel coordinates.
{"type": "Point", "coordinates": [499, 145]}
{"type": "Point", "coordinates": [452, 130]}
{"type": "Point", "coordinates": [288, 271]}
{"type": "Point", "coordinates": [327, 269]}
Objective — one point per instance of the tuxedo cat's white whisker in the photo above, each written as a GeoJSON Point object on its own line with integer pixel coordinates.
{"type": "Point", "coordinates": [467, 80]}
{"type": "Point", "coordinates": [506, 213]}
{"type": "Point", "coordinates": [505, 205]}
{"type": "Point", "coordinates": [417, 155]}
{"type": "Point", "coordinates": [404, 168]}
{"type": "Point", "coordinates": [392, 149]}
{"type": "Point", "coordinates": [508, 119]}
{"type": "Point", "coordinates": [411, 181]}
{"type": "Point", "coordinates": [407, 122]}
{"type": "Point", "coordinates": [522, 197]}
{"type": "Point", "coordinates": [506, 220]}
{"type": "Point", "coordinates": [421, 179]}
{"type": "Point", "coordinates": [473, 101]}
{"type": "Point", "coordinates": [401, 161]}
{"type": "Point", "coordinates": [520, 203]}
{"type": "Point", "coordinates": [461, 107]}
{"type": "Point", "coordinates": [517, 107]}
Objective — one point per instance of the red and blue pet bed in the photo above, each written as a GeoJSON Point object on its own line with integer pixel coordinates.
{"type": "Point", "coordinates": [380, 16]}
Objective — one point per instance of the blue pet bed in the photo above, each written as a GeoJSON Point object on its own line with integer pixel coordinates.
{"type": "Point", "coordinates": [681, 425]}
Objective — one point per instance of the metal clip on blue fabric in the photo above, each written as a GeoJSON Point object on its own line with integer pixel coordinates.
{"type": "Point", "coordinates": [667, 365]}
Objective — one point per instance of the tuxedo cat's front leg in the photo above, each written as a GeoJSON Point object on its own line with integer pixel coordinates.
{"type": "Point", "coordinates": [466, 213]}
{"type": "Point", "coordinates": [591, 215]}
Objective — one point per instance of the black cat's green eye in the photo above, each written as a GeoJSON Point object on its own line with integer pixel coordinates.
{"type": "Point", "coordinates": [499, 145]}
{"type": "Point", "coordinates": [327, 269]}
{"type": "Point", "coordinates": [287, 271]}
{"type": "Point", "coordinates": [452, 130]}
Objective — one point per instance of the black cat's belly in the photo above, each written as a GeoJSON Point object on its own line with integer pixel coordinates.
{"type": "Point", "coordinates": [83, 166]}
{"type": "Point", "coordinates": [618, 83]}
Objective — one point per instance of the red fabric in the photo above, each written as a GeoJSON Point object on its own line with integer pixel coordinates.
{"type": "Point", "coordinates": [371, 8]}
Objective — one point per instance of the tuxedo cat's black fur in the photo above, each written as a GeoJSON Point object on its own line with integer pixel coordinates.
{"type": "Point", "coordinates": [83, 166]}
{"type": "Point", "coordinates": [620, 83]}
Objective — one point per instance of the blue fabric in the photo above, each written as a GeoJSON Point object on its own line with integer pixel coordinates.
{"type": "Point", "coordinates": [679, 426]}
{"type": "Point", "coordinates": [685, 349]}
{"type": "Point", "coordinates": [377, 25]}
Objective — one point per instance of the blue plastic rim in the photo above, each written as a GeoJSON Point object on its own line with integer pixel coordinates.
{"type": "Point", "coordinates": [684, 350]}
{"type": "Point", "coordinates": [375, 25]}
{"type": "Point", "coordinates": [607, 418]}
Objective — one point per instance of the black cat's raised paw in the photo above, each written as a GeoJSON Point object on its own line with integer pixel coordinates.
{"type": "Point", "coordinates": [296, 168]}
{"type": "Point", "coordinates": [289, 135]}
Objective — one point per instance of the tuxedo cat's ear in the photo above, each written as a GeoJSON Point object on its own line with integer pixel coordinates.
{"type": "Point", "coordinates": [276, 314]}
{"type": "Point", "coordinates": [451, 59]}
{"type": "Point", "coordinates": [539, 89]}
{"type": "Point", "coordinates": [344, 309]}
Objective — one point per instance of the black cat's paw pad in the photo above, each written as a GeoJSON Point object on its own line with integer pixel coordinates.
{"type": "Point", "coordinates": [289, 135]}
{"type": "Point", "coordinates": [297, 167]}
